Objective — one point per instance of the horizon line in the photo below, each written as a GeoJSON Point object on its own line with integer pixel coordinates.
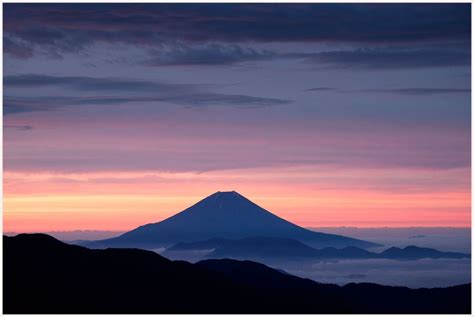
{"type": "Point", "coordinates": [323, 227]}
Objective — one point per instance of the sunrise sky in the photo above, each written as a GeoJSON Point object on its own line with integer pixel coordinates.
{"type": "Point", "coordinates": [326, 115]}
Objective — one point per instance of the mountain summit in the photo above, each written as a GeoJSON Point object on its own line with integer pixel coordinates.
{"type": "Point", "coordinates": [223, 215]}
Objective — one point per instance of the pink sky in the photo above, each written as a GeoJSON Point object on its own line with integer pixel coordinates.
{"type": "Point", "coordinates": [308, 196]}
{"type": "Point", "coordinates": [112, 121]}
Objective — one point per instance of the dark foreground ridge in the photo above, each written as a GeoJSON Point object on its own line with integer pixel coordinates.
{"type": "Point", "coordinates": [44, 275]}
{"type": "Point", "coordinates": [227, 215]}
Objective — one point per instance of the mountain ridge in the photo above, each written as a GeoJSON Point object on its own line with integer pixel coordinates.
{"type": "Point", "coordinates": [279, 248]}
{"type": "Point", "coordinates": [74, 279]}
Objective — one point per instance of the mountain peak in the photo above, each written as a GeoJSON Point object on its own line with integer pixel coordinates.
{"type": "Point", "coordinates": [225, 200]}
{"type": "Point", "coordinates": [230, 192]}
{"type": "Point", "coordinates": [226, 193]}
{"type": "Point", "coordinates": [229, 215]}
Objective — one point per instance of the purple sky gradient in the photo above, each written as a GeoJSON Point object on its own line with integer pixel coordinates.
{"type": "Point", "coordinates": [205, 88]}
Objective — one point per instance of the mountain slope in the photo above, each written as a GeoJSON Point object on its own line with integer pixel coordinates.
{"type": "Point", "coordinates": [44, 275]}
{"type": "Point", "coordinates": [246, 248]}
{"type": "Point", "coordinates": [226, 215]}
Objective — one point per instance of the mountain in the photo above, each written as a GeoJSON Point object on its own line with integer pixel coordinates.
{"type": "Point", "coordinates": [247, 248]}
{"type": "Point", "coordinates": [265, 248]}
{"type": "Point", "coordinates": [44, 275]}
{"type": "Point", "coordinates": [413, 252]}
{"type": "Point", "coordinates": [226, 215]}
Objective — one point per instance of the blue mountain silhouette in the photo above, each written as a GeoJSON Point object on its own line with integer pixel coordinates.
{"type": "Point", "coordinates": [413, 252]}
{"type": "Point", "coordinates": [226, 215]}
{"type": "Point", "coordinates": [261, 248]}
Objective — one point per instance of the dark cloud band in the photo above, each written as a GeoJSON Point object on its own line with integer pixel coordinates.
{"type": "Point", "coordinates": [60, 28]}
{"type": "Point", "coordinates": [137, 91]}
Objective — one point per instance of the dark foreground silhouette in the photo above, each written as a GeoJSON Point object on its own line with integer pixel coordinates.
{"type": "Point", "coordinates": [44, 275]}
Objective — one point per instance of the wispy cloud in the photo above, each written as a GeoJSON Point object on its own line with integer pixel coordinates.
{"type": "Point", "coordinates": [216, 99]}
{"type": "Point", "coordinates": [14, 105]}
{"type": "Point", "coordinates": [418, 91]}
{"type": "Point", "coordinates": [94, 84]}
{"type": "Point", "coordinates": [16, 48]}
{"type": "Point", "coordinates": [136, 91]}
{"type": "Point", "coordinates": [398, 91]}
{"type": "Point", "coordinates": [321, 89]}
{"type": "Point", "coordinates": [390, 58]}
{"type": "Point", "coordinates": [19, 127]}
{"type": "Point", "coordinates": [369, 58]}
{"type": "Point", "coordinates": [212, 54]}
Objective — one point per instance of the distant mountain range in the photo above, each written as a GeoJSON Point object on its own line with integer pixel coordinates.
{"type": "Point", "coordinates": [44, 275]}
{"type": "Point", "coordinates": [226, 215]}
{"type": "Point", "coordinates": [413, 252]}
{"type": "Point", "coordinates": [259, 248]}
{"type": "Point", "coordinates": [77, 235]}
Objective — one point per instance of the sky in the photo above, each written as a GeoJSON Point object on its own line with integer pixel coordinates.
{"type": "Point", "coordinates": [117, 115]}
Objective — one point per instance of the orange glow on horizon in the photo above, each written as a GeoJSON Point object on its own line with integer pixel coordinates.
{"type": "Point", "coordinates": [306, 196]}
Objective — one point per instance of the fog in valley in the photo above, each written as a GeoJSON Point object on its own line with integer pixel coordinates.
{"type": "Point", "coordinates": [412, 273]}
{"type": "Point", "coordinates": [441, 238]}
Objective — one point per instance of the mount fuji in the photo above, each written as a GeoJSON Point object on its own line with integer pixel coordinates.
{"type": "Point", "coordinates": [227, 215]}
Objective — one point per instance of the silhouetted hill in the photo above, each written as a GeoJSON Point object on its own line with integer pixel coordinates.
{"type": "Point", "coordinates": [252, 247]}
{"type": "Point", "coordinates": [256, 275]}
{"type": "Point", "coordinates": [365, 298]}
{"type": "Point", "coordinates": [413, 252]}
{"type": "Point", "coordinates": [226, 215]}
{"type": "Point", "coordinates": [44, 275]}
{"type": "Point", "coordinates": [259, 248]}
{"type": "Point", "coordinates": [201, 245]}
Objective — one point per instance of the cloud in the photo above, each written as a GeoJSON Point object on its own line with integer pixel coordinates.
{"type": "Point", "coordinates": [216, 99]}
{"type": "Point", "coordinates": [12, 105]}
{"type": "Point", "coordinates": [137, 91]}
{"type": "Point", "coordinates": [93, 84]}
{"type": "Point", "coordinates": [19, 127]}
{"type": "Point", "coordinates": [141, 91]}
{"type": "Point", "coordinates": [370, 57]}
{"type": "Point", "coordinates": [415, 274]}
{"type": "Point", "coordinates": [418, 91]}
{"type": "Point", "coordinates": [60, 28]}
{"type": "Point", "coordinates": [321, 89]}
{"type": "Point", "coordinates": [398, 91]}
{"type": "Point", "coordinates": [16, 49]}
{"type": "Point", "coordinates": [212, 54]}
{"type": "Point", "coordinates": [392, 58]}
